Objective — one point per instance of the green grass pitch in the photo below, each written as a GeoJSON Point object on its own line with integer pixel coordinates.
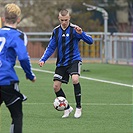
{"type": "Point", "coordinates": [107, 107]}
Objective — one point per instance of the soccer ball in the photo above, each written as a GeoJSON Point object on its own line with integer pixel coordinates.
{"type": "Point", "coordinates": [60, 103]}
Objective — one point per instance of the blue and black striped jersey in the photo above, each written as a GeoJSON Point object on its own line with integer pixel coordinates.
{"type": "Point", "coordinates": [12, 46]}
{"type": "Point", "coordinates": [66, 41]}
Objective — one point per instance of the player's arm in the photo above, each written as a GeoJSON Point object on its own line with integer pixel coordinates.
{"type": "Point", "coordinates": [87, 38]}
{"type": "Point", "coordinates": [82, 35]}
{"type": "Point", "coordinates": [23, 57]}
{"type": "Point", "coordinates": [49, 50]}
{"type": "Point", "coordinates": [78, 29]}
{"type": "Point", "coordinates": [25, 64]}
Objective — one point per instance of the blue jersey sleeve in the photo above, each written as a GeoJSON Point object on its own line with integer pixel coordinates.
{"type": "Point", "coordinates": [86, 38]}
{"type": "Point", "coordinates": [25, 64]}
{"type": "Point", "coordinates": [50, 49]}
{"type": "Point", "coordinates": [23, 57]}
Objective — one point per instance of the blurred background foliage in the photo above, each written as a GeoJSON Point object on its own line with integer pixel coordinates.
{"type": "Point", "coordinates": [42, 15]}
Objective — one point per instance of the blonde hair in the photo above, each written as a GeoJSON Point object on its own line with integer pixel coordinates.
{"type": "Point", "coordinates": [63, 12]}
{"type": "Point", "coordinates": [11, 13]}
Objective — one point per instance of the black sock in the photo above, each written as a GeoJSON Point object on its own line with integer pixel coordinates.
{"type": "Point", "coordinates": [62, 94]}
{"type": "Point", "coordinates": [77, 92]}
{"type": "Point", "coordinates": [17, 116]}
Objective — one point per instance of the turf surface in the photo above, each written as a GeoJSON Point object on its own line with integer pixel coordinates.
{"type": "Point", "coordinates": [107, 107]}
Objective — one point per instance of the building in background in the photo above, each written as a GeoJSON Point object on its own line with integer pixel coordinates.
{"type": "Point", "coordinates": [120, 14]}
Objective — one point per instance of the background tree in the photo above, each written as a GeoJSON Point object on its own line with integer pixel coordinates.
{"type": "Point", "coordinates": [43, 14]}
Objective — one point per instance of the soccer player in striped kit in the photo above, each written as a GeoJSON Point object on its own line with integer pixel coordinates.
{"type": "Point", "coordinates": [65, 38]}
{"type": "Point", "coordinates": [12, 46]}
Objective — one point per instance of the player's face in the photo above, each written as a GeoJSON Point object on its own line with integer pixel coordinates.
{"type": "Point", "coordinates": [64, 21]}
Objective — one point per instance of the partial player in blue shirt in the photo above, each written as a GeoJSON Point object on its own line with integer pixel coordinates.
{"type": "Point", "coordinates": [65, 39]}
{"type": "Point", "coordinates": [12, 47]}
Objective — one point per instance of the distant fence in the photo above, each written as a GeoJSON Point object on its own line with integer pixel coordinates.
{"type": "Point", "coordinates": [119, 47]}
{"type": "Point", "coordinates": [123, 47]}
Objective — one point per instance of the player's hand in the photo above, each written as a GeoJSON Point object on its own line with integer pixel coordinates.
{"type": "Point", "coordinates": [78, 30]}
{"type": "Point", "coordinates": [34, 79]}
{"type": "Point", "coordinates": [41, 63]}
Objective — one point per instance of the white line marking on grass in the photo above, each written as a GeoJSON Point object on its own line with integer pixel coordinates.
{"type": "Point", "coordinates": [87, 104]}
{"type": "Point", "coordinates": [38, 70]}
{"type": "Point", "coordinates": [108, 104]}
{"type": "Point", "coordinates": [105, 81]}
{"type": "Point", "coordinates": [84, 104]}
{"type": "Point", "coordinates": [93, 79]}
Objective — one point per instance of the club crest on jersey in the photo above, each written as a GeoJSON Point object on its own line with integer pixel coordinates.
{"type": "Point", "coordinates": [67, 35]}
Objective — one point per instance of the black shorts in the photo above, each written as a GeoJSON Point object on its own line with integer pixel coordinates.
{"type": "Point", "coordinates": [10, 94]}
{"type": "Point", "coordinates": [62, 73]}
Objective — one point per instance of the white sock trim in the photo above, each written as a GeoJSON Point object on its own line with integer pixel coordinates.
{"type": "Point", "coordinates": [12, 128]}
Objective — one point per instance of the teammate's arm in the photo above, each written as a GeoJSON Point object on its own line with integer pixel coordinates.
{"type": "Point", "coordinates": [23, 57]}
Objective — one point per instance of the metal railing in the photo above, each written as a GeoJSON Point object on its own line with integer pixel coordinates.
{"type": "Point", "coordinates": [118, 47]}
{"type": "Point", "coordinates": [123, 47]}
